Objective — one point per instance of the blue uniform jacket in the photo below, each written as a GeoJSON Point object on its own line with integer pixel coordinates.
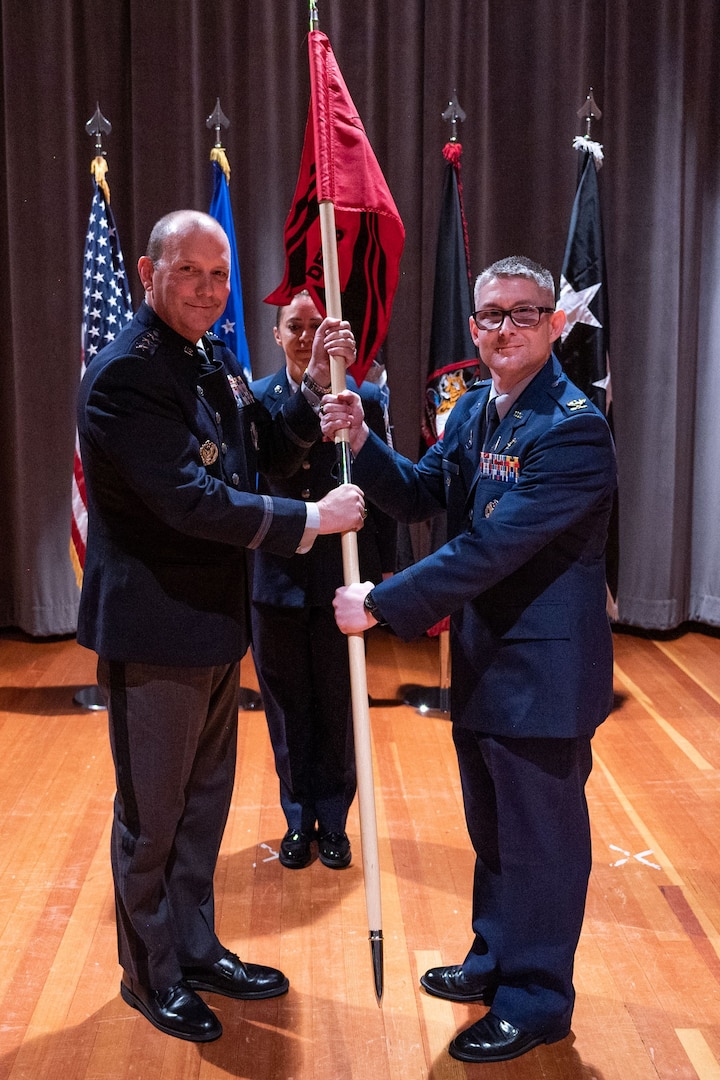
{"type": "Point", "coordinates": [523, 571]}
{"type": "Point", "coordinates": [170, 454]}
{"type": "Point", "coordinates": [313, 578]}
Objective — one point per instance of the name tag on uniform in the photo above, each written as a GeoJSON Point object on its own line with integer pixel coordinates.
{"type": "Point", "coordinates": [499, 467]}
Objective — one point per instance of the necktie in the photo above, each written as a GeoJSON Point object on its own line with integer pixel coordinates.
{"type": "Point", "coordinates": [491, 422]}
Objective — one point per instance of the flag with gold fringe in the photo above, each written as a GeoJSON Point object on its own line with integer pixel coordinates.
{"type": "Point", "coordinates": [230, 327]}
{"type": "Point", "coordinates": [107, 308]}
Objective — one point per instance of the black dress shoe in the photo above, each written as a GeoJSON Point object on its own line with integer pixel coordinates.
{"type": "Point", "coordinates": [493, 1039]}
{"type": "Point", "coordinates": [334, 850]}
{"type": "Point", "coordinates": [454, 984]}
{"type": "Point", "coordinates": [295, 849]}
{"type": "Point", "coordinates": [229, 976]}
{"type": "Point", "coordinates": [176, 1010]}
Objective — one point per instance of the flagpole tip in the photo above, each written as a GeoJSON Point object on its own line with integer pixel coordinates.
{"type": "Point", "coordinates": [376, 952]}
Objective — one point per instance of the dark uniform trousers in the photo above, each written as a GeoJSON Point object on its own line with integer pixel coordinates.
{"type": "Point", "coordinates": [303, 672]}
{"type": "Point", "coordinates": [164, 874]}
{"type": "Point", "coordinates": [531, 871]}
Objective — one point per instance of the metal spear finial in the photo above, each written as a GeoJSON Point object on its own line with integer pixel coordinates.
{"type": "Point", "coordinates": [217, 119]}
{"type": "Point", "coordinates": [454, 113]}
{"type": "Point", "coordinates": [98, 126]}
{"type": "Point", "coordinates": [589, 111]}
{"type": "Point", "coordinates": [312, 5]}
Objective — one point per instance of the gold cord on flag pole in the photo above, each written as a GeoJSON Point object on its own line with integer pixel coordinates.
{"type": "Point", "coordinates": [98, 126]}
{"type": "Point", "coordinates": [98, 169]}
{"type": "Point", "coordinates": [217, 120]}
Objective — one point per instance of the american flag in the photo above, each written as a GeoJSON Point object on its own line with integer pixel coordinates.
{"type": "Point", "coordinates": [107, 308]}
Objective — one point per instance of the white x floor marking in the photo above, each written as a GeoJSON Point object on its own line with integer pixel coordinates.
{"type": "Point", "coordinates": [640, 857]}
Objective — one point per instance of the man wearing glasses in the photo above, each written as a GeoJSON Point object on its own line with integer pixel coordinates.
{"type": "Point", "coordinates": [526, 471]}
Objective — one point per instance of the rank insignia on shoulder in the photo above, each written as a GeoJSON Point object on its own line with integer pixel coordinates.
{"type": "Point", "coordinates": [148, 342]}
{"type": "Point", "coordinates": [208, 452]}
{"type": "Point", "coordinates": [577, 403]}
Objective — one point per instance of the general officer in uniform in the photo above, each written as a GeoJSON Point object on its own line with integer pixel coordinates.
{"type": "Point", "coordinates": [528, 493]}
{"type": "Point", "coordinates": [171, 439]}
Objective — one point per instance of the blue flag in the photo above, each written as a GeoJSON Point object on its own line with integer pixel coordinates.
{"type": "Point", "coordinates": [231, 326]}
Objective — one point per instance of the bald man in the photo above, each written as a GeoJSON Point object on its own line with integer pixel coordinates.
{"type": "Point", "coordinates": [171, 441]}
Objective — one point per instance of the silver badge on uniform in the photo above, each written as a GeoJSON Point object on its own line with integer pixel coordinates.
{"type": "Point", "coordinates": [208, 452]}
{"type": "Point", "coordinates": [490, 507]}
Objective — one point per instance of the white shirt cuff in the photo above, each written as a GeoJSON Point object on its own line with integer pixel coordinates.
{"type": "Point", "coordinates": [312, 528]}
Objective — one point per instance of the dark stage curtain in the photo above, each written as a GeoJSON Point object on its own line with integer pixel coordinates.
{"type": "Point", "coordinates": [521, 70]}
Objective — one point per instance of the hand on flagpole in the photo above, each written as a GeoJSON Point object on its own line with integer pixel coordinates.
{"type": "Point", "coordinates": [351, 615]}
{"type": "Point", "coordinates": [333, 337]}
{"type": "Point", "coordinates": [342, 510]}
{"type": "Point", "coordinates": [344, 411]}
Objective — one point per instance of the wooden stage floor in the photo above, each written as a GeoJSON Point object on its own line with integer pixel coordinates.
{"type": "Point", "coordinates": [648, 965]}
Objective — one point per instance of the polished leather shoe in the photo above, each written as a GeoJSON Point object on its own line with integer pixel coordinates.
{"type": "Point", "coordinates": [295, 849]}
{"type": "Point", "coordinates": [334, 850]}
{"type": "Point", "coordinates": [231, 977]}
{"type": "Point", "coordinates": [176, 1010]}
{"type": "Point", "coordinates": [454, 984]}
{"type": "Point", "coordinates": [493, 1039]}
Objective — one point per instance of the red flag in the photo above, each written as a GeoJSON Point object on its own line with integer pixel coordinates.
{"type": "Point", "coordinates": [338, 165]}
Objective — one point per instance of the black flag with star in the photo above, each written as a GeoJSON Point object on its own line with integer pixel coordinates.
{"type": "Point", "coordinates": [584, 346]}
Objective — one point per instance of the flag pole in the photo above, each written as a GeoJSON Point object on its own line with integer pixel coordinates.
{"type": "Point", "coordinates": [248, 699]}
{"type": "Point", "coordinates": [356, 642]}
{"type": "Point", "coordinates": [90, 697]}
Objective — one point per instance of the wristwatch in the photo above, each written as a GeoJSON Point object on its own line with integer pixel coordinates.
{"type": "Point", "coordinates": [370, 605]}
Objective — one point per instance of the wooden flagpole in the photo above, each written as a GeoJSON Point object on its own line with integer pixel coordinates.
{"type": "Point", "coordinates": [356, 642]}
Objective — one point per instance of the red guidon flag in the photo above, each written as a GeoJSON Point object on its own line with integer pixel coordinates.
{"type": "Point", "coordinates": [338, 165]}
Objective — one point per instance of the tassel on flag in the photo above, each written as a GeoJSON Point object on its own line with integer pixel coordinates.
{"type": "Point", "coordinates": [107, 307]}
{"type": "Point", "coordinates": [338, 165]}
{"type": "Point", "coordinates": [230, 328]}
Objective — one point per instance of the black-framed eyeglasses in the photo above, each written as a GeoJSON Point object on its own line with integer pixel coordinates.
{"type": "Point", "coordinates": [523, 316]}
